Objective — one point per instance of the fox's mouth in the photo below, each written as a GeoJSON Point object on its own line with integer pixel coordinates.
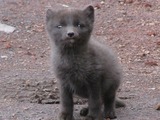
{"type": "Point", "coordinates": [71, 40]}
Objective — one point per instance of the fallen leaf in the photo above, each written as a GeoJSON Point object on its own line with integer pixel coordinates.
{"type": "Point", "coordinates": [129, 1]}
{"type": "Point", "coordinates": [8, 45]}
{"type": "Point", "coordinates": [151, 63]}
{"type": "Point", "coordinates": [147, 5]}
{"type": "Point", "coordinates": [5, 19]}
{"type": "Point", "coordinates": [158, 43]}
{"type": "Point", "coordinates": [38, 28]}
{"type": "Point", "coordinates": [3, 39]}
{"type": "Point", "coordinates": [151, 33]}
{"type": "Point", "coordinates": [158, 107]}
{"type": "Point", "coordinates": [97, 6]}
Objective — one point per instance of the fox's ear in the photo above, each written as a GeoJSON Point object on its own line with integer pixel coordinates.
{"type": "Point", "coordinates": [89, 12]}
{"type": "Point", "coordinates": [49, 14]}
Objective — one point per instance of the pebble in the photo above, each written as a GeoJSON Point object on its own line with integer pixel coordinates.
{"type": "Point", "coordinates": [6, 28]}
{"type": "Point", "coordinates": [151, 88]}
{"type": "Point", "coordinates": [4, 57]}
{"type": "Point", "coordinates": [151, 24]}
{"type": "Point", "coordinates": [66, 6]}
{"type": "Point", "coordinates": [56, 88]}
{"type": "Point", "coordinates": [123, 12]}
{"type": "Point", "coordinates": [102, 2]}
{"type": "Point", "coordinates": [119, 19]}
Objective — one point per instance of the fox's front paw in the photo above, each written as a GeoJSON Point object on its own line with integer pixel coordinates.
{"type": "Point", "coordinates": [66, 116]}
{"type": "Point", "coordinates": [89, 118]}
{"type": "Point", "coordinates": [110, 114]}
{"type": "Point", "coordinates": [93, 118]}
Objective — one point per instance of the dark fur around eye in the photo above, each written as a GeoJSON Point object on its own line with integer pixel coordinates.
{"type": "Point", "coordinates": [59, 26]}
{"type": "Point", "coordinates": [80, 25]}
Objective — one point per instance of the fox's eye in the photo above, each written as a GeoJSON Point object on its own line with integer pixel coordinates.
{"type": "Point", "coordinates": [59, 26]}
{"type": "Point", "coordinates": [80, 25]}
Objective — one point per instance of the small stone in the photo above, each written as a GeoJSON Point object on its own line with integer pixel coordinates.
{"type": "Point", "coordinates": [26, 108]}
{"type": "Point", "coordinates": [151, 24]}
{"type": "Point", "coordinates": [47, 90]}
{"type": "Point", "coordinates": [54, 81]}
{"type": "Point", "coordinates": [56, 89]}
{"type": "Point", "coordinates": [123, 12]}
{"type": "Point", "coordinates": [126, 1]}
{"type": "Point", "coordinates": [6, 28]}
{"type": "Point", "coordinates": [151, 88]}
{"type": "Point", "coordinates": [121, 1]}
{"type": "Point", "coordinates": [119, 19]}
{"type": "Point", "coordinates": [102, 2]}
{"type": "Point", "coordinates": [64, 5]}
{"type": "Point", "coordinates": [146, 52]}
{"type": "Point", "coordinates": [4, 57]}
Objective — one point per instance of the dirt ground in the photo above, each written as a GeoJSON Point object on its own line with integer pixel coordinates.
{"type": "Point", "coordinates": [28, 88]}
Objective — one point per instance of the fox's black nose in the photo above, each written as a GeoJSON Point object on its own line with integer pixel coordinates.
{"type": "Point", "coordinates": [70, 34]}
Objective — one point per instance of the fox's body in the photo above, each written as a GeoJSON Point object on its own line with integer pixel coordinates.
{"type": "Point", "coordinates": [84, 67]}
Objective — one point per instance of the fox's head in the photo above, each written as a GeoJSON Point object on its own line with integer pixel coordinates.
{"type": "Point", "coordinates": [70, 27]}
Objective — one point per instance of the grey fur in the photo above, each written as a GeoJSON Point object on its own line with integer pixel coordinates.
{"type": "Point", "coordinates": [84, 67]}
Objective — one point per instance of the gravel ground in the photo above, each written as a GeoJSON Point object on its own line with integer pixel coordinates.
{"type": "Point", "coordinates": [28, 89]}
